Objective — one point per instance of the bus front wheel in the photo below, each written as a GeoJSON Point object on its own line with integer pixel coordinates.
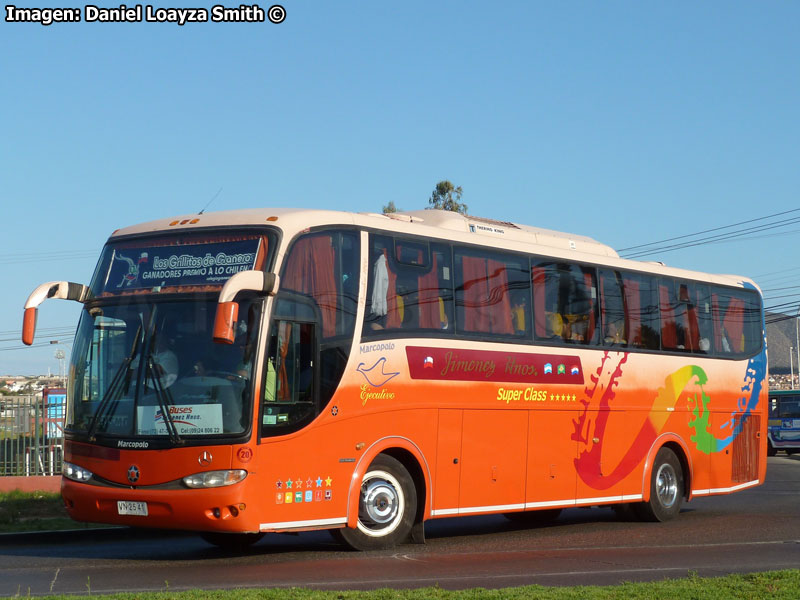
{"type": "Point", "coordinates": [386, 507]}
{"type": "Point", "coordinates": [666, 488]}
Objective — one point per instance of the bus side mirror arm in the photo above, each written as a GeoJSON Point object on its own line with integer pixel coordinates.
{"type": "Point", "coordinates": [228, 308]}
{"type": "Point", "coordinates": [66, 290]}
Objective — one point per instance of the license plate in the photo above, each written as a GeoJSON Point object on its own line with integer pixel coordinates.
{"type": "Point", "coordinates": [126, 507]}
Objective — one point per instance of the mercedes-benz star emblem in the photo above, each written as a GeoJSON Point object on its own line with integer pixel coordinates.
{"type": "Point", "coordinates": [133, 473]}
{"type": "Point", "coordinates": [205, 459]}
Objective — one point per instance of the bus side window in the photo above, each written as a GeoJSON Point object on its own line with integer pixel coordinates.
{"type": "Point", "coordinates": [485, 284]}
{"type": "Point", "coordinates": [409, 286]}
{"type": "Point", "coordinates": [737, 321]}
{"type": "Point", "coordinates": [612, 303]}
{"type": "Point", "coordinates": [565, 302]}
{"type": "Point", "coordinates": [642, 312]}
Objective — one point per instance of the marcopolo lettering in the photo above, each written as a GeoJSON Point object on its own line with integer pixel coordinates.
{"type": "Point", "coordinates": [132, 445]}
{"type": "Point", "coordinates": [364, 348]}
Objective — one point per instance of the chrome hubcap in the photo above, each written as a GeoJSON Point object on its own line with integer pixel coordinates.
{"type": "Point", "coordinates": [380, 502]}
{"type": "Point", "coordinates": [667, 485]}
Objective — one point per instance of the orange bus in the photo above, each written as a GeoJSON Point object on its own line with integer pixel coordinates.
{"type": "Point", "coordinates": [273, 370]}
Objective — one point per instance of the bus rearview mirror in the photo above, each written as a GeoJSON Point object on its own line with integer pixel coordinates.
{"type": "Point", "coordinates": [66, 290]}
{"type": "Point", "coordinates": [228, 309]}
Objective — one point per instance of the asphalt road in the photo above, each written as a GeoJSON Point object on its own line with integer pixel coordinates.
{"type": "Point", "coordinates": [754, 530]}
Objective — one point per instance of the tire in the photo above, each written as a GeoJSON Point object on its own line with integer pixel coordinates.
{"type": "Point", "coordinates": [771, 451]}
{"type": "Point", "coordinates": [387, 507]}
{"type": "Point", "coordinates": [533, 517]}
{"type": "Point", "coordinates": [233, 542]}
{"type": "Point", "coordinates": [666, 489]}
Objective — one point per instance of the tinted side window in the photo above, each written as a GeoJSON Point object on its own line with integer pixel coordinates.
{"type": "Point", "coordinates": [565, 302]}
{"type": "Point", "coordinates": [488, 285]}
{"type": "Point", "coordinates": [641, 303]}
{"type": "Point", "coordinates": [614, 317]}
{"type": "Point", "coordinates": [410, 286]}
{"type": "Point", "coordinates": [324, 266]}
{"type": "Point", "coordinates": [737, 321]}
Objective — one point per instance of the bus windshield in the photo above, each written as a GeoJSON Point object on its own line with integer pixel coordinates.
{"type": "Point", "coordinates": [150, 369]}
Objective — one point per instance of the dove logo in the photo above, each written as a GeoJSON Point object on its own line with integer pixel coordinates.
{"type": "Point", "coordinates": [428, 362]}
{"type": "Point", "coordinates": [376, 375]}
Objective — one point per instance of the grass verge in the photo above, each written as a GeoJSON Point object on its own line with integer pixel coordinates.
{"type": "Point", "coordinates": [780, 585]}
{"type": "Point", "coordinates": [34, 511]}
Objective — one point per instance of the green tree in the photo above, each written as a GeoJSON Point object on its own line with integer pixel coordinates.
{"type": "Point", "coordinates": [389, 208]}
{"type": "Point", "coordinates": [446, 196]}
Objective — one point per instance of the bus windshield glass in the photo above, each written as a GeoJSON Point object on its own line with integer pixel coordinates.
{"type": "Point", "coordinates": [150, 369]}
{"type": "Point", "coordinates": [144, 363]}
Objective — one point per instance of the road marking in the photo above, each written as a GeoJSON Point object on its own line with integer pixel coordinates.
{"type": "Point", "coordinates": [53, 583]}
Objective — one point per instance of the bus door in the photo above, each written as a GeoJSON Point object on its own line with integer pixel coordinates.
{"type": "Point", "coordinates": [291, 395]}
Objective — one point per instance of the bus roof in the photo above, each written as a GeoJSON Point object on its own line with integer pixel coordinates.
{"type": "Point", "coordinates": [431, 223]}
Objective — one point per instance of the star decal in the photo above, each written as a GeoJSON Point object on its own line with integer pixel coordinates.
{"type": "Point", "coordinates": [319, 482]}
{"type": "Point", "coordinates": [279, 484]}
{"type": "Point", "coordinates": [299, 483]}
{"type": "Point", "coordinates": [288, 484]}
{"type": "Point", "coordinates": [328, 482]}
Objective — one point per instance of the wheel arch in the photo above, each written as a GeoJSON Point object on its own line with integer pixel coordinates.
{"type": "Point", "coordinates": [410, 456]}
{"type": "Point", "coordinates": [681, 450]}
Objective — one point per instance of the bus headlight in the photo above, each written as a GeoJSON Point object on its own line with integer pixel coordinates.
{"type": "Point", "coordinates": [75, 473]}
{"type": "Point", "coordinates": [213, 479]}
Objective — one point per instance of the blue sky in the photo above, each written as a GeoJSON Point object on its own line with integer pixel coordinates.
{"type": "Point", "coordinates": [629, 122]}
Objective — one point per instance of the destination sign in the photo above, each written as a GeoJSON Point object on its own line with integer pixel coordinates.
{"type": "Point", "coordinates": [212, 263]}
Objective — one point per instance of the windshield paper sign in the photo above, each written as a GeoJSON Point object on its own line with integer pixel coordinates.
{"type": "Point", "coordinates": [198, 264]}
{"type": "Point", "coordinates": [189, 419]}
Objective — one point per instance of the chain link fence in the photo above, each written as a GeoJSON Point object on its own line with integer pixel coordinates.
{"type": "Point", "coordinates": [32, 434]}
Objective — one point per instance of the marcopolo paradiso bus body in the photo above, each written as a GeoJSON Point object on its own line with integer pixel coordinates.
{"type": "Point", "coordinates": [272, 370]}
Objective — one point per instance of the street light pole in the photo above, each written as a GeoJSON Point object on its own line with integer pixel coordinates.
{"type": "Point", "coordinates": [791, 367]}
{"type": "Point", "coordinates": [797, 346]}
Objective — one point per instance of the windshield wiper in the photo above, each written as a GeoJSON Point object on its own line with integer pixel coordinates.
{"type": "Point", "coordinates": [114, 389]}
{"type": "Point", "coordinates": [164, 397]}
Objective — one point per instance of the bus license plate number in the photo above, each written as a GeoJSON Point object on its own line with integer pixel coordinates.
{"type": "Point", "coordinates": [126, 507]}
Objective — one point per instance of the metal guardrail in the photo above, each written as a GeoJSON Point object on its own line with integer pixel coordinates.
{"type": "Point", "coordinates": [32, 435]}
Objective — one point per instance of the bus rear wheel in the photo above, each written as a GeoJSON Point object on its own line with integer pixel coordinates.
{"type": "Point", "coordinates": [666, 489]}
{"type": "Point", "coordinates": [387, 507]}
